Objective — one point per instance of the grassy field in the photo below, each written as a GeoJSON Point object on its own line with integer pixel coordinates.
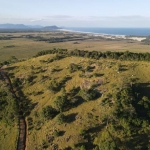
{"type": "Point", "coordinates": [8, 137]}
{"type": "Point", "coordinates": [23, 47]}
{"type": "Point", "coordinates": [86, 115]}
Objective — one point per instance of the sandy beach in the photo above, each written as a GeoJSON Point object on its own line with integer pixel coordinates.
{"type": "Point", "coordinates": [108, 36]}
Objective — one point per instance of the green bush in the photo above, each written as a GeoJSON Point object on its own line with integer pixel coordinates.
{"type": "Point", "coordinates": [73, 67]}
{"type": "Point", "coordinates": [54, 85]}
{"type": "Point", "coordinates": [82, 147]}
{"type": "Point", "coordinates": [56, 133]}
{"type": "Point", "coordinates": [60, 118]}
{"type": "Point", "coordinates": [88, 94]}
{"type": "Point", "coordinates": [49, 112]}
{"type": "Point", "coordinates": [82, 132]}
{"type": "Point", "coordinates": [60, 103]}
{"type": "Point", "coordinates": [44, 144]}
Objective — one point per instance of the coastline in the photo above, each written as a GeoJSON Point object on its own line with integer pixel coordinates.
{"type": "Point", "coordinates": [108, 36]}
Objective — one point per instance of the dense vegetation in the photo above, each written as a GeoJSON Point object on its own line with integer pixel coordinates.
{"type": "Point", "coordinates": [146, 41]}
{"type": "Point", "coordinates": [97, 55]}
{"type": "Point", "coordinates": [57, 39]}
{"type": "Point", "coordinates": [128, 126]}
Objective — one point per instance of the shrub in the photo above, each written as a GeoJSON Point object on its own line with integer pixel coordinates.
{"type": "Point", "coordinates": [60, 118]}
{"type": "Point", "coordinates": [73, 67]}
{"type": "Point", "coordinates": [56, 133]}
{"type": "Point", "coordinates": [88, 94]}
{"type": "Point", "coordinates": [82, 147]}
{"type": "Point", "coordinates": [49, 112]}
{"type": "Point", "coordinates": [74, 91]}
{"type": "Point", "coordinates": [82, 132]}
{"type": "Point", "coordinates": [54, 85]}
{"type": "Point", "coordinates": [44, 144]}
{"type": "Point", "coordinates": [60, 103]}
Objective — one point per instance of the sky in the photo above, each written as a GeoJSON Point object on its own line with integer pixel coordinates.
{"type": "Point", "coordinates": [76, 13]}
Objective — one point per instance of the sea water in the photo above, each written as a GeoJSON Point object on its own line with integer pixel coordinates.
{"type": "Point", "coordinates": [113, 31]}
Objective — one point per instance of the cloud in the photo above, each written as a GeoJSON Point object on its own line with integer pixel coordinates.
{"type": "Point", "coordinates": [80, 18]}
{"type": "Point", "coordinates": [59, 17]}
{"type": "Point", "coordinates": [34, 20]}
{"type": "Point", "coordinates": [91, 21]}
{"type": "Point", "coordinates": [113, 18]}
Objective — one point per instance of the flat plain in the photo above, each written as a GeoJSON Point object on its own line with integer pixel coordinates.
{"type": "Point", "coordinates": [26, 45]}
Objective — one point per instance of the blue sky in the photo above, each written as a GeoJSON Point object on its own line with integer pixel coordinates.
{"type": "Point", "coordinates": [77, 13]}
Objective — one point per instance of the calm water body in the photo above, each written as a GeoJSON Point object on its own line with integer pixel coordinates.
{"type": "Point", "coordinates": [114, 31]}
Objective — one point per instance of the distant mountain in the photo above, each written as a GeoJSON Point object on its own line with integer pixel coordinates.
{"type": "Point", "coordinates": [26, 27]}
{"type": "Point", "coordinates": [13, 26]}
{"type": "Point", "coordinates": [35, 26]}
{"type": "Point", "coordinates": [50, 28]}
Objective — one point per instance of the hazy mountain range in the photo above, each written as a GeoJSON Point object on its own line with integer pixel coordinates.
{"type": "Point", "coordinates": [26, 27]}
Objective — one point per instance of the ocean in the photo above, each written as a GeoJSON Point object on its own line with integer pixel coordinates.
{"type": "Point", "coordinates": [112, 31]}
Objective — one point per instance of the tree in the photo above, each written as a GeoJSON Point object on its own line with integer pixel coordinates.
{"type": "Point", "coordinates": [106, 142]}
{"type": "Point", "coordinates": [54, 85]}
{"type": "Point", "coordinates": [73, 67]}
{"type": "Point", "coordinates": [88, 94]}
{"type": "Point", "coordinates": [60, 103]}
{"type": "Point", "coordinates": [82, 147]}
{"type": "Point", "coordinates": [49, 112]}
{"type": "Point", "coordinates": [60, 118]}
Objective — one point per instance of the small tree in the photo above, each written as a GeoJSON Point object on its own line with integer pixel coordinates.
{"type": "Point", "coordinates": [82, 147]}
{"type": "Point", "coordinates": [61, 118]}
{"type": "Point", "coordinates": [54, 85]}
{"type": "Point", "coordinates": [106, 142]}
{"type": "Point", "coordinates": [56, 133]}
{"type": "Point", "coordinates": [49, 112]}
{"type": "Point", "coordinates": [44, 144]}
{"type": "Point", "coordinates": [73, 67]}
{"type": "Point", "coordinates": [88, 94]}
{"type": "Point", "coordinates": [60, 103]}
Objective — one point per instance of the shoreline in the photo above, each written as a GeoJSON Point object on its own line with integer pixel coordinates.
{"type": "Point", "coordinates": [108, 36]}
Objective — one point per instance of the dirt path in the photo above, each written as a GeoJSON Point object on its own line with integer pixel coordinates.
{"type": "Point", "coordinates": [21, 144]}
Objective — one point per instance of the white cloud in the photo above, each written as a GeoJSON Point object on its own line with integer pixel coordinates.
{"type": "Point", "coordinates": [90, 21]}
{"type": "Point", "coordinates": [35, 20]}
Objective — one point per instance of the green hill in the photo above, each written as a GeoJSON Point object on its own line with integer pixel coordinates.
{"type": "Point", "coordinates": [72, 102]}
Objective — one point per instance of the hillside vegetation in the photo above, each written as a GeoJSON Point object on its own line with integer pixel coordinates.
{"type": "Point", "coordinates": [83, 101]}
{"type": "Point", "coordinates": [8, 118]}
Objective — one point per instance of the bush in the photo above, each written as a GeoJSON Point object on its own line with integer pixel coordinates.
{"type": "Point", "coordinates": [82, 132]}
{"type": "Point", "coordinates": [73, 67]}
{"type": "Point", "coordinates": [54, 85]}
{"type": "Point", "coordinates": [44, 144]}
{"type": "Point", "coordinates": [56, 133]}
{"type": "Point", "coordinates": [74, 91]}
{"type": "Point", "coordinates": [49, 112]}
{"type": "Point", "coordinates": [82, 147]}
{"type": "Point", "coordinates": [88, 94]}
{"type": "Point", "coordinates": [60, 118]}
{"type": "Point", "coordinates": [60, 103]}
{"type": "Point", "coordinates": [106, 141]}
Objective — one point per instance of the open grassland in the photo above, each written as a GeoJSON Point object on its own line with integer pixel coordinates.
{"type": "Point", "coordinates": [22, 47]}
{"type": "Point", "coordinates": [107, 76]}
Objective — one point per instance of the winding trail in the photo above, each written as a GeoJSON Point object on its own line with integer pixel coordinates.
{"type": "Point", "coordinates": [21, 143]}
